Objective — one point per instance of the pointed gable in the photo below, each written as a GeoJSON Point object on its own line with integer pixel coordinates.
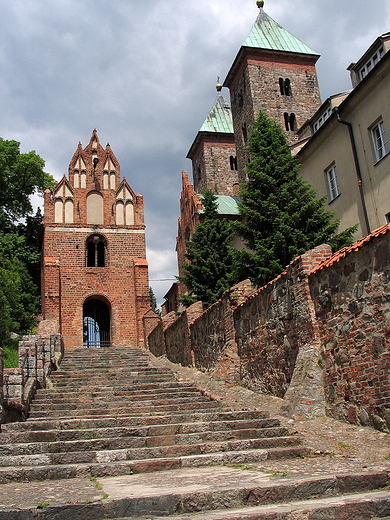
{"type": "Point", "coordinates": [268, 34]}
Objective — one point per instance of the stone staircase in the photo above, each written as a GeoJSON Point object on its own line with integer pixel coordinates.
{"type": "Point", "coordinates": [161, 448]}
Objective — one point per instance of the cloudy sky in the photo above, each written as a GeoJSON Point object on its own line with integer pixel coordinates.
{"type": "Point", "coordinates": [143, 73]}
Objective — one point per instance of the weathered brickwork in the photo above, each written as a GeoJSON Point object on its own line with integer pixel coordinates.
{"type": "Point", "coordinates": [38, 355]}
{"type": "Point", "coordinates": [254, 87]}
{"type": "Point", "coordinates": [318, 335]}
{"type": "Point", "coordinates": [212, 167]}
{"type": "Point", "coordinates": [94, 249]}
{"type": "Point", "coordinates": [189, 219]}
{"type": "Point", "coordinates": [177, 336]}
{"type": "Point", "coordinates": [352, 304]}
{"type": "Point", "coordinates": [213, 335]}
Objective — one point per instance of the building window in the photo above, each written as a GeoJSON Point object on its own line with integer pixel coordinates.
{"type": "Point", "coordinates": [289, 121]}
{"type": "Point", "coordinates": [333, 183]}
{"type": "Point", "coordinates": [233, 162]}
{"type": "Point", "coordinates": [96, 251]}
{"type": "Point", "coordinates": [387, 218]}
{"type": "Point", "coordinates": [379, 140]}
{"type": "Point", "coordinates": [285, 87]}
{"type": "Point", "coordinates": [371, 62]}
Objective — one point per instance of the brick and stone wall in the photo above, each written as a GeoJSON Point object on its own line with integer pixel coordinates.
{"type": "Point", "coordinates": [213, 335]}
{"type": "Point", "coordinates": [318, 335]}
{"type": "Point", "coordinates": [38, 356]}
{"type": "Point", "coordinates": [177, 336]}
{"type": "Point", "coordinates": [351, 295]}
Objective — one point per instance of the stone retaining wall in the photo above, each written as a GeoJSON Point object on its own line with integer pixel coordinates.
{"type": "Point", "coordinates": [352, 306]}
{"type": "Point", "coordinates": [38, 356]}
{"type": "Point", "coordinates": [318, 335]}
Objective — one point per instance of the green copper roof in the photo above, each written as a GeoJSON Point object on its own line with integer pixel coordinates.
{"type": "Point", "coordinates": [220, 117]}
{"type": "Point", "coordinates": [227, 205]}
{"type": "Point", "coordinates": [268, 34]}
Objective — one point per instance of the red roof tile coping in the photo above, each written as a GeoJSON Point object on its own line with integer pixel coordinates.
{"type": "Point", "coordinates": [354, 247]}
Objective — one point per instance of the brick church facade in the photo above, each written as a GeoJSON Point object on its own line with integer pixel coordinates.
{"type": "Point", "coordinates": [95, 288]}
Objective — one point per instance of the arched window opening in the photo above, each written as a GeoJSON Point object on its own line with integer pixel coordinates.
{"type": "Point", "coordinates": [96, 251]}
{"type": "Point", "coordinates": [285, 86]}
{"type": "Point", "coordinates": [289, 121]}
{"type": "Point", "coordinates": [96, 324]}
{"type": "Point", "coordinates": [233, 162]}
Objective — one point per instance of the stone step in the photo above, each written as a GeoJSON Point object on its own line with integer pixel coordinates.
{"type": "Point", "coordinates": [112, 450]}
{"type": "Point", "coordinates": [120, 438]}
{"type": "Point", "coordinates": [106, 464]}
{"type": "Point", "coordinates": [122, 397]}
{"type": "Point", "coordinates": [123, 410]}
{"type": "Point", "coordinates": [356, 506]}
{"type": "Point", "coordinates": [55, 393]}
{"type": "Point", "coordinates": [230, 420]}
{"type": "Point", "coordinates": [221, 493]}
{"type": "Point", "coordinates": [83, 402]}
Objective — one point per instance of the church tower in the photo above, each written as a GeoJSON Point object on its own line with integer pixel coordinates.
{"type": "Point", "coordinates": [94, 270]}
{"type": "Point", "coordinates": [213, 152]}
{"type": "Point", "coordinates": [273, 72]}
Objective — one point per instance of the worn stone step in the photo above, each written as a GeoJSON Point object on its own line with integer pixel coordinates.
{"type": "Point", "coordinates": [46, 402]}
{"type": "Point", "coordinates": [356, 506]}
{"type": "Point", "coordinates": [123, 410]}
{"type": "Point", "coordinates": [229, 418]}
{"type": "Point", "coordinates": [223, 493]}
{"type": "Point", "coordinates": [55, 393]}
{"type": "Point", "coordinates": [104, 439]}
{"type": "Point", "coordinates": [112, 450]}
{"type": "Point", "coordinates": [79, 403]}
{"type": "Point", "coordinates": [106, 465]}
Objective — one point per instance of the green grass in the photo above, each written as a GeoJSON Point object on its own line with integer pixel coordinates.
{"type": "Point", "coordinates": [10, 348]}
{"type": "Point", "coordinates": [277, 474]}
{"type": "Point", "coordinates": [41, 505]}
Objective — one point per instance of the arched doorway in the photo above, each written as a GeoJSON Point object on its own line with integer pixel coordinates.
{"type": "Point", "coordinates": [96, 323]}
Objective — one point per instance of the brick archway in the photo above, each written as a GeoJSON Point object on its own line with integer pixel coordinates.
{"type": "Point", "coordinates": [96, 323]}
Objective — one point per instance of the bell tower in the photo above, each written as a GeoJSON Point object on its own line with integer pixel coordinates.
{"type": "Point", "coordinates": [94, 269]}
{"type": "Point", "coordinates": [273, 72]}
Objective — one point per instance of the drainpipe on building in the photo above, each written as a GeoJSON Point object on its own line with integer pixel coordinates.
{"type": "Point", "coordinates": [357, 167]}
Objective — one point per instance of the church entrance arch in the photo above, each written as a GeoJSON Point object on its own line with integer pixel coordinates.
{"type": "Point", "coordinates": [96, 323]}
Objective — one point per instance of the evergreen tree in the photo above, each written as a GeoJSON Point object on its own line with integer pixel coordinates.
{"type": "Point", "coordinates": [153, 301]}
{"type": "Point", "coordinates": [210, 270]}
{"type": "Point", "coordinates": [281, 217]}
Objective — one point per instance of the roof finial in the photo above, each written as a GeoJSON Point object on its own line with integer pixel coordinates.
{"type": "Point", "coordinates": [260, 4]}
{"type": "Point", "coordinates": [218, 86]}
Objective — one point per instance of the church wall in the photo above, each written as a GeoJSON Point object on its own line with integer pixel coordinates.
{"type": "Point", "coordinates": [211, 167]}
{"type": "Point", "coordinates": [255, 87]}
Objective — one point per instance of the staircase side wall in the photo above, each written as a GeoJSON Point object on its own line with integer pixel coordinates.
{"type": "Point", "coordinates": [177, 336]}
{"type": "Point", "coordinates": [213, 335]}
{"type": "Point", "coordinates": [352, 306]}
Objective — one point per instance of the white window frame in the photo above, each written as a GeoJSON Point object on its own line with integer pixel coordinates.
{"type": "Point", "coordinates": [380, 142]}
{"type": "Point", "coordinates": [332, 182]}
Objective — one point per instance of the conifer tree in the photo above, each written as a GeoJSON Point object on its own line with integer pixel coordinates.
{"type": "Point", "coordinates": [281, 217]}
{"type": "Point", "coordinates": [210, 270]}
